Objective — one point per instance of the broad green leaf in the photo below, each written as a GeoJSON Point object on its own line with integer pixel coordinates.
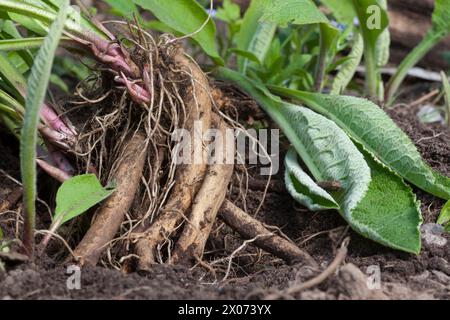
{"type": "Point", "coordinates": [327, 151]}
{"type": "Point", "coordinates": [348, 68]}
{"type": "Point", "coordinates": [389, 212]}
{"type": "Point", "coordinates": [300, 12]}
{"type": "Point", "coordinates": [330, 155]}
{"type": "Point", "coordinates": [37, 87]}
{"type": "Point", "coordinates": [254, 35]}
{"type": "Point", "coordinates": [76, 195]}
{"type": "Point", "coordinates": [187, 17]}
{"type": "Point", "coordinates": [1, 234]}
{"type": "Point", "coordinates": [304, 189]}
{"type": "Point", "coordinates": [367, 124]}
{"type": "Point", "coordinates": [441, 17]}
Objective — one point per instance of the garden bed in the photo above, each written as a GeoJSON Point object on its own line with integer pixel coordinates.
{"type": "Point", "coordinates": [254, 273]}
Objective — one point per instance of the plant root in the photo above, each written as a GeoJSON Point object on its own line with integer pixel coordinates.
{"type": "Point", "coordinates": [329, 271]}
{"type": "Point", "coordinates": [206, 205]}
{"type": "Point", "coordinates": [188, 176]}
{"type": "Point", "coordinates": [248, 227]}
{"type": "Point", "coordinates": [112, 213]}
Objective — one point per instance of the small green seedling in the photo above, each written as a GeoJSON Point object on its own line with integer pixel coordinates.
{"type": "Point", "coordinates": [76, 196]}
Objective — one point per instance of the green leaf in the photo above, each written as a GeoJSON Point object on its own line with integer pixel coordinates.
{"type": "Point", "coordinates": [187, 17]}
{"type": "Point", "coordinates": [229, 12]}
{"type": "Point", "coordinates": [37, 87]}
{"type": "Point", "coordinates": [246, 54]}
{"type": "Point", "coordinates": [389, 212]}
{"type": "Point", "coordinates": [12, 76]}
{"type": "Point", "coordinates": [300, 12]}
{"type": "Point", "coordinates": [76, 196]}
{"type": "Point", "coordinates": [304, 189]}
{"type": "Point", "coordinates": [370, 126]}
{"type": "Point", "coordinates": [126, 8]}
{"type": "Point", "coordinates": [36, 16]}
{"type": "Point", "coordinates": [348, 68]}
{"type": "Point", "coordinates": [373, 20]}
{"type": "Point", "coordinates": [382, 48]}
{"type": "Point", "coordinates": [20, 44]}
{"type": "Point", "coordinates": [441, 17]}
{"type": "Point", "coordinates": [330, 155]}
{"type": "Point", "coordinates": [342, 10]}
{"type": "Point", "coordinates": [254, 36]}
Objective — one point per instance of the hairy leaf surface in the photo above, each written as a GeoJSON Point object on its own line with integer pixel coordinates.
{"type": "Point", "coordinates": [330, 155]}
{"type": "Point", "coordinates": [367, 124]}
{"type": "Point", "coordinates": [348, 68]}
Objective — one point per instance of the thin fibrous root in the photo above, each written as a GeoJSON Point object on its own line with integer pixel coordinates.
{"type": "Point", "coordinates": [329, 271]}
{"type": "Point", "coordinates": [112, 213]}
{"type": "Point", "coordinates": [188, 176]}
{"type": "Point", "coordinates": [248, 227]}
{"type": "Point", "coordinates": [207, 202]}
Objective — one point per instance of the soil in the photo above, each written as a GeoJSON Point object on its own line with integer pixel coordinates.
{"type": "Point", "coordinates": [253, 273]}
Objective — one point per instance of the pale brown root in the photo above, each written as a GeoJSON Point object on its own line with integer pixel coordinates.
{"type": "Point", "coordinates": [112, 213]}
{"type": "Point", "coordinates": [328, 272]}
{"type": "Point", "coordinates": [188, 176]}
{"type": "Point", "coordinates": [248, 227]}
{"type": "Point", "coordinates": [207, 203]}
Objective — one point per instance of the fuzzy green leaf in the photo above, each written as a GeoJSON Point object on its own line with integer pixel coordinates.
{"type": "Point", "coordinates": [367, 124]}
{"type": "Point", "coordinates": [441, 17]}
{"type": "Point", "coordinates": [37, 87]}
{"type": "Point", "coordinates": [298, 12]}
{"type": "Point", "coordinates": [348, 68]}
{"type": "Point", "coordinates": [342, 10]}
{"type": "Point", "coordinates": [304, 189]}
{"type": "Point", "coordinates": [330, 155]}
{"type": "Point", "coordinates": [77, 195]}
{"type": "Point", "coordinates": [382, 49]}
{"type": "Point", "coordinates": [254, 36]}
{"type": "Point", "coordinates": [187, 17]}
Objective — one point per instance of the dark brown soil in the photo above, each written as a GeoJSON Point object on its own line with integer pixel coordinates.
{"type": "Point", "coordinates": [253, 273]}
